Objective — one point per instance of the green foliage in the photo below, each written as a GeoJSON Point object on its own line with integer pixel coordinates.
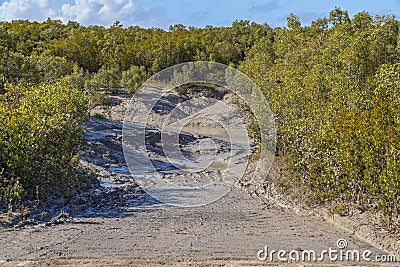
{"type": "Point", "coordinates": [97, 84]}
{"type": "Point", "coordinates": [51, 68]}
{"type": "Point", "coordinates": [293, 22]}
{"type": "Point", "coordinates": [334, 90]}
{"type": "Point", "coordinates": [133, 78]}
{"type": "Point", "coordinates": [40, 133]}
{"type": "Point", "coordinates": [77, 78]}
{"type": "Point", "coordinates": [365, 146]}
{"type": "Point", "coordinates": [32, 52]}
{"type": "Point", "coordinates": [105, 80]}
{"type": "Point", "coordinates": [11, 66]}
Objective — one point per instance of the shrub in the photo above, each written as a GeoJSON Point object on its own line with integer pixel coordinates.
{"type": "Point", "coordinates": [51, 68]}
{"type": "Point", "coordinates": [133, 78]}
{"type": "Point", "coordinates": [335, 96]}
{"type": "Point", "coordinates": [40, 133]}
{"type": "Point", "coordinates": [104, 80]}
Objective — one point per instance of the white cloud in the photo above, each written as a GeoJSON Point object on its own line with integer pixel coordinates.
{"type": "Point", "coordinates": [86, 12]}
{"type": "Point", "coordinates": [24, 9]}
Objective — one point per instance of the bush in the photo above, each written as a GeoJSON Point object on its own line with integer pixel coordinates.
{"type": "Point", "coordinates": [133, 78]}
{"type": "Point", "coordinates": [104, 80]}
{"type": "Point", "coordinates": [40, 134]}
{"type": "Point", "coordinates": [77, 78]}
{"type": "Point", "coordinates": [51, 68]}
{"type": "Point", "coordinates": [335, 96]}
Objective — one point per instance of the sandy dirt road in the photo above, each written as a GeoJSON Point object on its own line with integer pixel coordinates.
{"type": "Point", "coordinates": [229, 232]}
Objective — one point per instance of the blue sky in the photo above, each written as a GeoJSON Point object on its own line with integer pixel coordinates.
{"type": "Point", "coordinates": [162, 13]}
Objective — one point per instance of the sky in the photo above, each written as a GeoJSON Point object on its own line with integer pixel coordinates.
{"type": "Point", "coordinates": [162, 13]}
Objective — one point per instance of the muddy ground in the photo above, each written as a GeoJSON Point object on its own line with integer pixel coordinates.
{"type": "Point", "coordinates": [115, 223]}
